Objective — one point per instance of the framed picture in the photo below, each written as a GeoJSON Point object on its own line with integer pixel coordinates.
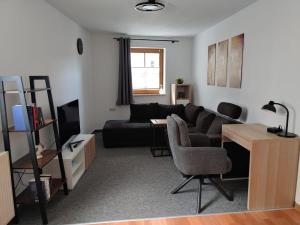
{"type": "Point", "coordinates": [221, 67]}
{"type": "Point", "coordinates": [236, 61]}
{"type": "Point", "coordinates": [211, 69]}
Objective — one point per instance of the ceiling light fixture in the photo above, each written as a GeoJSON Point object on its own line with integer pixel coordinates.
{"type": "Point", "coordinates": [149, 6]}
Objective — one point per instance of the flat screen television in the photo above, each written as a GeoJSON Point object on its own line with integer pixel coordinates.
{"type": "Point", "coordinates": [68, 120]}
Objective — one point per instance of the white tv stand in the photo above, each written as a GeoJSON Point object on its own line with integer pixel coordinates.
{"type": "Point", "coordinates": [76, 162]}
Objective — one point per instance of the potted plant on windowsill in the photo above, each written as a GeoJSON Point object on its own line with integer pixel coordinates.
{"type": "Point", "coordinates": [179, 81]}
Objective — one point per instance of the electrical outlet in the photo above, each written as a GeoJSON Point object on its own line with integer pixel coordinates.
{"type": "Point", "coordinates": [112, 109]}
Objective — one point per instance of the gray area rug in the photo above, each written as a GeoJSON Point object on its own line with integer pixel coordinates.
{"type": "Point", "coordinates": [128, 183]}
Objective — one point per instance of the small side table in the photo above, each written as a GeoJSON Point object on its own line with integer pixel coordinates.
{"type": "Point", "coordinates": [160, 140]}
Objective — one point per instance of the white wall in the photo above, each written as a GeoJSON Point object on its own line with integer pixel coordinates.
{"type": "Point", "coordinates": [105, 68]}
{"type": "Point", "coordinates": [271, 62]}
{"type": "Point", "coordinates": [36, 39]}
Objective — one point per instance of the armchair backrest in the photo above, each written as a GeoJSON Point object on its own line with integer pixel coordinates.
{"type": "Point", "coordinates": [173, 133]}
{"type": "Point", "coordinates": [178, 139]}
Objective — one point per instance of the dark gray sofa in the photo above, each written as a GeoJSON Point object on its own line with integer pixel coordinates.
{"type": "Point", "coordinates": [208, 128]}
{"type": "Point", "coordinates": [137, 130]}
{"type": "Point", "coordinates": [205, 128]}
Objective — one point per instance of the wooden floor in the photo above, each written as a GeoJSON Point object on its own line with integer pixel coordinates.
{"type": "Point", "coordinates": [279, 217]}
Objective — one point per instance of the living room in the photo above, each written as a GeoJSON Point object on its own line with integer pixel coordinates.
{"type": "Point", "coordinates": [43, 38]}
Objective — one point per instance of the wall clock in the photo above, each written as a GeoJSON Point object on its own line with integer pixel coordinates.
{"type": "Point", "coordinates": [79, 46]}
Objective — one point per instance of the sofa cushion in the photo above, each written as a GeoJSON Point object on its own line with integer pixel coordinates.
{"type": "Point", "coordinates": [204, 121]}
{"type": "Point", "coordinates": [230, 110]}
{"type": "Point", "coordinates": [199, 140]}
{"type": "Point", "coordinates": [143, 112]}
{"type": "Point", "coordinates": [168, 110]}
{"type": "Point", "coordinates": [183, 131]}
{"type": "Point", "coordinates": [205, 140]}
{"type": "Point", "coordinates": [191, 112]}
{"type": "Point", "coordinates": [124, 125]}
{"type": "Point", "coordinates": [123, 133]}
{"type": "Point", "coordinates": [216, 126]}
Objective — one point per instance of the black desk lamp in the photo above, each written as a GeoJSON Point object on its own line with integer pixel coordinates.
{"type": "Point", "coordinates": [271, 107]}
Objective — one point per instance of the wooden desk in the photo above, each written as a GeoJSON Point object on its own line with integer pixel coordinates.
{"type": "Point", "coordinates": [273, 165]}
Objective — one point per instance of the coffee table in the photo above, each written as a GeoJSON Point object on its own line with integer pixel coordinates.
{"type": "Point", "coordinates": [160, 141]}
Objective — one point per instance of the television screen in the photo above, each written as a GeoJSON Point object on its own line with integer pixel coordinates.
{"type": "Point", "coordinates": [68, 120]}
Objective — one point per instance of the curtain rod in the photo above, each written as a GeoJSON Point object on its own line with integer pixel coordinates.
{"type": "Point", "coordinates": [144, 39]}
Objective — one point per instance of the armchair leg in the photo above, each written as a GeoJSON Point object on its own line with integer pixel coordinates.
{"type": "Point", "coordinates": [220, 187]}
{"type": "Point", "coordinates": [178, 188]}
{"type": "Point", "coordinates": [199, 209]}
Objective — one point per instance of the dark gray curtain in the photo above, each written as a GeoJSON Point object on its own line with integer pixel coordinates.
{"type": "Point", "coordinates": [125, 85]}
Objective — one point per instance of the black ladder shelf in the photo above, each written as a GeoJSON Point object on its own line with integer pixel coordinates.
{"type": "Point", "coordinates": [30, 161]}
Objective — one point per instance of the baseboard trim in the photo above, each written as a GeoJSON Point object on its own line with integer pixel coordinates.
{"type": "Point", "coordinates": [297, 207]}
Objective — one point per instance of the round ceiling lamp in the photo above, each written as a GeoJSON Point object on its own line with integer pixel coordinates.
{"type": "Point", "coordinates": [149, 6]}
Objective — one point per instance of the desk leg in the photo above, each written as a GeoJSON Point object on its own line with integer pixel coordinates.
{"type": "Point", "coordinates": [272, 174]}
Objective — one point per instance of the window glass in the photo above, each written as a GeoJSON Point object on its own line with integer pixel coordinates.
{"type": "Point", "coordinates": [152, 60]}
{"type": "Point", "coordinates": [137, 59]}
{"type": "Point", "coordinates": [145, 78]}
{"type": "Point", "coordinates": [147, 70]}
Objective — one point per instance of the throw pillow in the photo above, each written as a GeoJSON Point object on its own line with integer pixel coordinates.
{"type": "Point", "coordinates": [216, 126]}
{"type": "Point", "coordinates": [143, 112]}
{"type": "Point", "coordinates": [191, 112]}
{"type": "Point", "coordinates": [204, 121]}
{"type": "Point", "coordinates": [168, 110]}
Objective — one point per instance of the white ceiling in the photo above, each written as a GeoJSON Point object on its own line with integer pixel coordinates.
{"type": "Point", "coordinates": [179, 18]}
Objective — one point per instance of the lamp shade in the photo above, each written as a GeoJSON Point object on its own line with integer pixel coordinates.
{"type": "Point", "coordinates": [270, 106]}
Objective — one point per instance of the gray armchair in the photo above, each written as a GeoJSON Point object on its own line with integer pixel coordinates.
{"type": "Point", "coordinates": [196, 162]}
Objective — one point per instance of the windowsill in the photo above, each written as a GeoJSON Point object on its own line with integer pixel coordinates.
{"type": "Point", "coordinates": [141, 95]}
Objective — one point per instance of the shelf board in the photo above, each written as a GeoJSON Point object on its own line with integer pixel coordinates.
{"type": "Point", "coordinates": [27, 90]}
{"type": "Point", "coordinates": [26, 197]}
{"type": "Point", "coordinates": [76, 176]}
{"type": "Point", "coordinates": [25, 161]}
{"type": "Point", "coordinates": [47, 122]}
{"type": "Point", "coordinates": [76, 167]}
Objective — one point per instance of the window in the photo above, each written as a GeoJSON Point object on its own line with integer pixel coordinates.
{"type": "Point", "coordinates": [147, 66]}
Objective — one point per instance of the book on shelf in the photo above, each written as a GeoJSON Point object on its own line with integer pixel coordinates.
{"type": "Point", "coordinates": [37, 114]}
{"type": "Point", "coordinates": [46, 186]}
{"type": "Point", "coordinates": [40, 117]}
